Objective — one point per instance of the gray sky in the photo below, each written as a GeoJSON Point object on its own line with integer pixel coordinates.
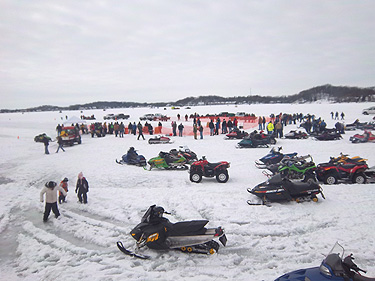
{"type": "Point", "coordinates": [68, 52]}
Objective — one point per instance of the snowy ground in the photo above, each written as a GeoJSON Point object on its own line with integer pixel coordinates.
{"type": "Point", "coordinates": [263, 242]}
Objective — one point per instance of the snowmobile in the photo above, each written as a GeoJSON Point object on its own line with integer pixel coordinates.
{"type": "Point", "coordinates": [331, 173]}
{"type": "Point", "coordinates": [294, 168]}
{"type": "Point", "coordinates": [236, 134]}
{"type": "Point", "coordinates": [184, 151]}
{"type": "Point", "coordinates": [297, 135]}
{"type": "Point", "coordinates": [132, 158]}
{"type": "Point", "coordinates": [366, 137]}
{"type": "Point", "coordinates": [273, 157]}
{"type": "Point", "coordinates": [256, 140]}
{"type": "Point", "coordinates": [159, 139]}
{"type": "Point", "coordinates": [279, 188]}
{"type": "Point", "coordinates": [168, 161]}
{"type": "Point", "coordinates": [334, 267]}
{"type": "Point", "coordinates": [353, 126]}
{"type": "Point", "coordinates": [328, 135]}
{"type": "Point", "coordinates": [201, 168]}
{"type": "Point", "coordinates": [158, 233]}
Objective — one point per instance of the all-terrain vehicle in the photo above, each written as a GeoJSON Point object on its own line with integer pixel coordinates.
{"type": "Point", "coordinates": [70, 135]}
{"type": "Point", "coordinates": [331, 173]}
{"type": "Point", "coordinates": [203, 168]}
{"type": "Point", "coordinates": [158, 233]}
{"type": "Point", "coordinates": [345, 159]}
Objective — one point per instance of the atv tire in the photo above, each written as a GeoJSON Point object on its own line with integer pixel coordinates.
{"type": "Point", "coordinates": [330, 179]}
{"type": "Point", "coordinates": [359, 178]}
{"type": "Point", "coordinates": [196, 177]}
{"type": "Point", "coordinates": [222, 176]}
{"type": "Point", "coordinates": [309, 178]}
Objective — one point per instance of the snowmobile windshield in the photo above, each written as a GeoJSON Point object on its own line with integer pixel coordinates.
{"type": "Point", "coordinates": [147, 215]}
{"type": "Point", "coordinates": [333, 261]}
{"type": "Point", "coordinates": [275, 179]}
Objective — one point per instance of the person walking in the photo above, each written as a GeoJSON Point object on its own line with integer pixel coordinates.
{"type": "Point", "coordinates": [50, 190]}
{"type": "Point", "coordinates": [60, 143]}
{"type": "Point", "coordinates": [64, 185]}
{"type": "Point", "coordinates": [342, 116]}
{"type": "Point", "coordinates": [83, 188]}
{"type": "Point", "coordinates": [140, 131]}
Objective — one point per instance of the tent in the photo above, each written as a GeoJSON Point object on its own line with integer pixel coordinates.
{"type": "Point", "coordinates": [74, 120]}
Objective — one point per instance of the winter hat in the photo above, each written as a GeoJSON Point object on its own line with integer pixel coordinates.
{"type": "Point", "coordinates": [80, 175]}
{"type": "Point", "coordinates": [65, 179]}
{"type": "Point", "coordinates": [51, 184]}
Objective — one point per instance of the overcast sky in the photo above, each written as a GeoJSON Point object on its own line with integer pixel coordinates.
{"type": "Point", "coordinates": [68, 52]}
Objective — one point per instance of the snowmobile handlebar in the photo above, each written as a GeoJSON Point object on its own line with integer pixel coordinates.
{"type": "Point", "coordinates": [348, 261]}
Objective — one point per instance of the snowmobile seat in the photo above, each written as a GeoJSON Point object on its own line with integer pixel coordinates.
{"type": "Point", "coordinates": [298, 187]}
{"type": "Point", "coordinates": [195, 227]}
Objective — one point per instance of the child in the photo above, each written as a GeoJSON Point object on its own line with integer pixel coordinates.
{"type": "Point", "coordinates": [64, 185]}
{"type": "Point", "coordinates": [50, 190]}
{"type": "Point", "coordinates": [82, 187]}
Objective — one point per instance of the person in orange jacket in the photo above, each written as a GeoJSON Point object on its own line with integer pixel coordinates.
{"type": "Point", "coordinates": [64, 185]}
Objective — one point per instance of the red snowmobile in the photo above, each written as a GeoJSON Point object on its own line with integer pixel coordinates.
{"type": "Point", "coordinates": [366, 137]}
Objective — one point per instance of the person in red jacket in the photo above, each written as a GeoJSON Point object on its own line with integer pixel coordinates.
{"type": "Point", "coordinates": [64, 185]}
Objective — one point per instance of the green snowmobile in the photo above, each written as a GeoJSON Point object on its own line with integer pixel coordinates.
{"type": "Point", "coordinates": [168, 161]}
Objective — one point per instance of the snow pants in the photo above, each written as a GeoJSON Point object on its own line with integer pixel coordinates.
{"type": "Point", "coordinates": [81, 195]}
{"type": "Point", "coordinates": [48, 208]}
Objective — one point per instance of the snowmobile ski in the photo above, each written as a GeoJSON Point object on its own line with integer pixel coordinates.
{"type": "Point", "coordinates": [130, 253]}
{"type": "Point", "coordinates": [258, 203]}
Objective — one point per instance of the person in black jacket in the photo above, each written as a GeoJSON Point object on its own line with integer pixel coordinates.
{"type": "Point", "coordinates": [82, 187]}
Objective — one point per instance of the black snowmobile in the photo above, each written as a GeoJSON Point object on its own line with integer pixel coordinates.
{"type": "Point", "coordinates": [328, 135]}
{"type": "Point", "coordinates": [279, 188]}
{"type": "Point", "coordinates": [158, 233]}
{"type": "Point", "coordinates": [296, 135]}
{"type": "Point", "coordinates": [132, 158]}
